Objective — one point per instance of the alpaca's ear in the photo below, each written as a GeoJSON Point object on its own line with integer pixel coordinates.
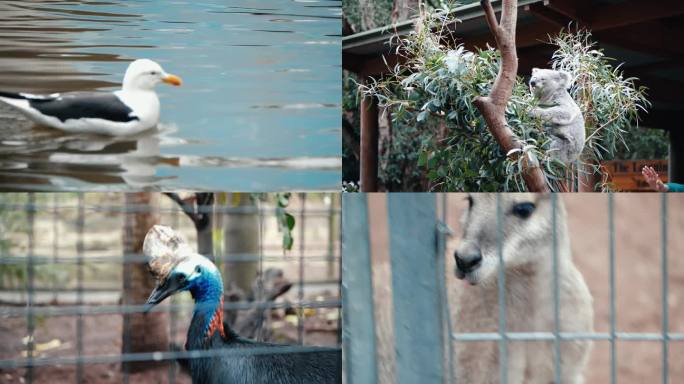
{"type": "Point", "coordinates": [566, 79]}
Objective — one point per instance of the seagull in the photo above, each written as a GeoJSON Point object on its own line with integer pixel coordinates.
{"type": "Point", "coordinates": [133, 109]}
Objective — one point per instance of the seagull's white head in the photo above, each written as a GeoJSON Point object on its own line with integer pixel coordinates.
{"type": "Point", "coordinates": [145, 74]}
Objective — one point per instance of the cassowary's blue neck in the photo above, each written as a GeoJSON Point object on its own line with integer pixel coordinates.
{"type": "Point", "coordinates": [208, 294]}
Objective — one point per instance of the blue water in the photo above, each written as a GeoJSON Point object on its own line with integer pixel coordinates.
{"type": "Point", "coordinates": [258, 110]}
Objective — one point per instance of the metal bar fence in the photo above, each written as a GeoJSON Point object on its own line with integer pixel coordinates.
{"type": "Point", "coordinates": [358, 327]}
{"type": "Point", "coordinates": [31, 310]}
{"type": "Point", "coordinates": [415, 214]}
{"type": "Point", "coordinates": [411, 218]}
{"type": "Point", "coordinates": [611, 250]}
{"type": "Point", "coordinates": [503, 342]}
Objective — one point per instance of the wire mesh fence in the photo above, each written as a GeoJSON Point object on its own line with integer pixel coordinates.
{"type": "Point", "coordinates": [67, 275]}
{"type": "Point", "coordinates": [414, 232]}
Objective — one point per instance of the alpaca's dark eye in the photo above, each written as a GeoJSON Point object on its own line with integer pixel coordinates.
{"type": "Point", "coordinates": [523, 210]}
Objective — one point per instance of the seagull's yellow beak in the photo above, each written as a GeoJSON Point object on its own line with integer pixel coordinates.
{"type": "Point", "coordinates": [172, 79]}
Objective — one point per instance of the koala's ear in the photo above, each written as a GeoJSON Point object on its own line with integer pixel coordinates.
{"type": "Point", "coordinates": [566, 78]}
{"type": "Point", "coordinates": [534, 70]}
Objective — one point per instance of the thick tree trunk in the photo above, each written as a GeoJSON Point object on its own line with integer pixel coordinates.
{"type": "Point", "coordinates": [141, 332]}
{"type": "Point", "coordinates": [205, 242]}
{"type": "Point", "coordinates": [367, 10]}
{"type": "Point", "coordinates": [403, 10]}
{"type": "Point", "coordinates": [493, 107]}
{"type": "Point", "coordinates": [241, 236]}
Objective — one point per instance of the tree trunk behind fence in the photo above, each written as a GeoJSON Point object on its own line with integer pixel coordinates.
{"type": "Point", "coordinates": [205, 243]}
{"type": "Point", "coordinates": [241, 238]}
{"type": "Point", "coordinates": [404, 10]}
{"type": "Point", "coordinates": [141, 332]}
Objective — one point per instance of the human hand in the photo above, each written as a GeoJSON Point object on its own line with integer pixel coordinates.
{"type": "Point", "coordinates": [653, 179]}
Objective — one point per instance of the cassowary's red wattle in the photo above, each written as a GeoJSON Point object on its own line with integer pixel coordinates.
{"type": "Point", "coordinates": [216, 323]}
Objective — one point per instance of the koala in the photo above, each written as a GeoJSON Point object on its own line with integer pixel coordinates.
{"type": "Point", "coordinates": [562, 117]}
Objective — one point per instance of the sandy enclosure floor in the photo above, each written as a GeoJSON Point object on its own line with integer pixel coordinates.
{"type": "Point", "coordinates": [637, 276]}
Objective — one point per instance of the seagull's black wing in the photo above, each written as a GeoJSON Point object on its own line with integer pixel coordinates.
{"type": "Point", "coordinates": [85, 105]}
{"type": "Point", "coordinates": [77, 105]}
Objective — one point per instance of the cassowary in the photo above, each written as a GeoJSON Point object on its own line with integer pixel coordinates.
{"type": "Point", "coordinates": [178, 268]}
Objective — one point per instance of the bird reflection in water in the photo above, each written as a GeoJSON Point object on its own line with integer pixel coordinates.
{"type": "Point", "coordinates": [45, 159]}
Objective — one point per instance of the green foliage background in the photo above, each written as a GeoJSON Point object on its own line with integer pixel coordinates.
{"type": "Point", "coordinates": [439, 140]}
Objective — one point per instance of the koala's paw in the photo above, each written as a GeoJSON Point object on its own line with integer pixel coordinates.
{"type": "Point", "coordinates": [535, 112]}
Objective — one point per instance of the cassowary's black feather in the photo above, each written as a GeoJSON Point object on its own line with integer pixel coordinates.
{"type": "Point", "coordinates": [317, 367]}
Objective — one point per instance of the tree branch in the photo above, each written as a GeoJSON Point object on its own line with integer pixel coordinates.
{"type": "Point", "coordinates": [194, 207]}
{"type": "Point", "coordinates": [490, 17]}
{"type": "Point", "coordinates": [493, 107]}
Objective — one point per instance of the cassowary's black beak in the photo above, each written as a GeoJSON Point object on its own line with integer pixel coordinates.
{"type": "Point", "coordinates": [161, 292]}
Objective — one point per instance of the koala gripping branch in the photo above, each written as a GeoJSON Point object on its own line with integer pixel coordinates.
{"type": "Point", "coordinates": [493, 107]}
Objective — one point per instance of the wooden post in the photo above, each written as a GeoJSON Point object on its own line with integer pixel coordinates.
{"type": "Point", "coordinates": [369, 144]}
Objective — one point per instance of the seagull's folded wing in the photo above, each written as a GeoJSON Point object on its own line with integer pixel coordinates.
{"type": "Point", "coordinates": [106, 106]}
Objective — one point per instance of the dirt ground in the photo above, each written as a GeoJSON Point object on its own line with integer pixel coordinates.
{"type": "Point", "coordinates": [102, 336]}
{"type": "Point", "coordinates": [638, 279]}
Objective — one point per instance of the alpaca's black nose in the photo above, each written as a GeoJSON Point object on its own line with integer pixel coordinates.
{"type": "Point", "coordinates": [468, 262]}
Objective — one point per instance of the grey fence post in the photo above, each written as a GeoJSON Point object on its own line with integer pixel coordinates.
{"type": "Point", "coordinates": [358, 327]}
{"type": "Point", "coordinates": [416, 291]}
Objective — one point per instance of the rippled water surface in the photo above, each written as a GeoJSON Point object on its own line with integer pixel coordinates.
{"type": "Point", "coordinates": [258, 109]}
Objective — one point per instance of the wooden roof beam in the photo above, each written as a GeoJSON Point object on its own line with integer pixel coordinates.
{"type": "Point", "coordinates": [525, 36]}
{"type": "Point", "coordinates": [633, 12]}
{"type": "Point", "coordinates": [653, 38]}
{"type": "Point", "coordinates": [617, 15]}
{"type": "Point", "coordinates": [543, 12]}
{"type": "Point", "coordinates": [569, 8]}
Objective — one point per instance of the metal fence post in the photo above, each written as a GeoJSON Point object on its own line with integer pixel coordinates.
{"type": "Point", "coordinates": [665, 288]}
{"type": "Point", "coordinates": [501, 275]}
{"type": "Point", "coordinates": [555, 286]}
{"type": "Point", "coordinates": [613, 321]}
{"type": "Point", "coordinates": [358, 330]}
{"type": "Point", "coordinates": [30, 274]}
{"type": "Point", "coordinates": [416, 291]}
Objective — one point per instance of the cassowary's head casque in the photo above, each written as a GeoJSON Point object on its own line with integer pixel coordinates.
{"type": "Point", "coordinates": [177, 267]}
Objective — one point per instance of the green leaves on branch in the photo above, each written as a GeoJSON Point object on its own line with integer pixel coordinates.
{"type": "Point", "coordinates": [439, 137]}
{"type": "Point", "coordinates": [286, 222]}
{"type": "Point", "coordinates": [610, 102]}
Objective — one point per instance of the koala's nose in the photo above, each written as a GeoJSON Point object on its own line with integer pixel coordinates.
{"type": "Point", "coordinates": [468, 262]}
{"type": "Point", "coordinates": [532, 83]}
